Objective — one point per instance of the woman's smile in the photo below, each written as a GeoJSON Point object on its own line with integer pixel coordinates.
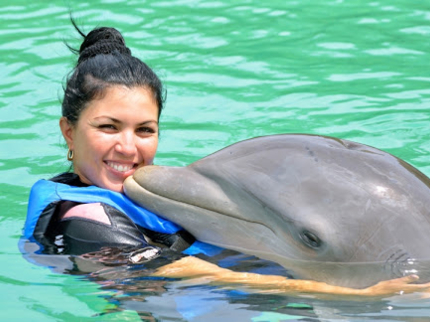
{"type": "Point", "coordinates": [121, 167]}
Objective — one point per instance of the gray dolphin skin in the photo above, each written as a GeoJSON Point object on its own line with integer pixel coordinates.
{"type": "Point", "coordinates": [327, 209]}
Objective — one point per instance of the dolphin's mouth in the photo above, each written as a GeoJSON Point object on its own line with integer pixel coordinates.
{"type": "Point", "coordinates": [144, 197]}
{"type": "Point", "coordinates": [168, 208]}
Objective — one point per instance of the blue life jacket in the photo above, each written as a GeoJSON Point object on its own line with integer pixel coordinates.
{"type": "Point", "coordinates": [45, 192]}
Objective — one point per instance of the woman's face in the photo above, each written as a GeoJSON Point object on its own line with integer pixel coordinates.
{"type": "Point", "coordinates": [113, 136]}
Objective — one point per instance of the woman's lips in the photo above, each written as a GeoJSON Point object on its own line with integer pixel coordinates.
{"type": "Point", "coordinates": [122, 168]}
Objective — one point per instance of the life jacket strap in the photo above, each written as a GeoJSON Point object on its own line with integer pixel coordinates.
{"type": "Point", "coordinates": [177, 242]}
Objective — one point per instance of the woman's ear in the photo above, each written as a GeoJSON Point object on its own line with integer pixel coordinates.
{"type": "Point", "coordinates": [67, 129]}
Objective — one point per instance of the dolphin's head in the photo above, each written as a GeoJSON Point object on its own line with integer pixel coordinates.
{"type": "Point", "coordinates": [319, 206]}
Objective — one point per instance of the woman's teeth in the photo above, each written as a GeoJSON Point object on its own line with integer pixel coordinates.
{"type": "Point", "coordinates": [120, 167]}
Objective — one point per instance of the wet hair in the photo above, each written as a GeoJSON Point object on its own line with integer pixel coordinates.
{"type": "Point", "coordinates": [104, 61]}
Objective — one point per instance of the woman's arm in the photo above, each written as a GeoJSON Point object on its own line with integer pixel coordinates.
{"type": "Point", "coordinates": [192, 267]}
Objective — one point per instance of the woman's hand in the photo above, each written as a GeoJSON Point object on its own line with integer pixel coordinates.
{"type": "Point", "coordinates": [192, 267]}
{"type": "Point", "coordinates": [400, 285]}
{"type": "Point", "coordinates": [382, 289]}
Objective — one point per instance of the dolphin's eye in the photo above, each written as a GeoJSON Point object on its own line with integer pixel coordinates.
{"type": "Point", "coordinates": [310, 239]}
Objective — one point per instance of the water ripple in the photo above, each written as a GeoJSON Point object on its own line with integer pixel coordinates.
{"type": "Point", "coordinates": [233, 70]}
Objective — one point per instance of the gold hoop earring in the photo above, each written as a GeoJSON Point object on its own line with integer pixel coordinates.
{"type": "Point", "coordinates": [70, 155]}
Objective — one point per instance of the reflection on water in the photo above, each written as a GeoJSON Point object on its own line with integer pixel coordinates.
{"type": "Point", "coordinates": [131, 288]}
{"type": "Point", "coordinates": [356, 70]}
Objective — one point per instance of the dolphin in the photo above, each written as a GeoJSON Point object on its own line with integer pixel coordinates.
{"type": "Point", "coordinates": [326, 209]}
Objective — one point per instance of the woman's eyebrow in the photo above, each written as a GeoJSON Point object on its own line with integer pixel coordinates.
{"type": "Point", "coordinates": [108, 117]}
{"type": "Point", "coordinates": [118, 121]}
{"type": "Point", "coordinates": [146, 122]}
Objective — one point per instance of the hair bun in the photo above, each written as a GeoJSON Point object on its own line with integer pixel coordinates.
{"type": "Point", "coordinates": [102, 41]}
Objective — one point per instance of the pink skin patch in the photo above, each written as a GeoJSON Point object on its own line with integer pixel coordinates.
{"type": "Point", "coordinates": [92, 211]}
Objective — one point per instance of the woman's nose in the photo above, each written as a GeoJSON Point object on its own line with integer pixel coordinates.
{"type": "Point", "coordinates": [126, 144]}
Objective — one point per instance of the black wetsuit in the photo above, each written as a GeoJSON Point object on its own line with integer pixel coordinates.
{"type": "Point", "coordinates": [76, 235]}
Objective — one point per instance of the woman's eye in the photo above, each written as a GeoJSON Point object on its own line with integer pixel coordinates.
{"type": "Point", "coordinates": [107, 126]}
{"type": "Point", "coordinates": [146, 129]}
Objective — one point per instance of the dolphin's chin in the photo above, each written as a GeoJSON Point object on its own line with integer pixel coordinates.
{"type": "Point", "coordinates": [206, 225]}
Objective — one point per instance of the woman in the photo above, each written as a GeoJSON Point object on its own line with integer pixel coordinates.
{"type": "Point", "coordinates": [111, 109]}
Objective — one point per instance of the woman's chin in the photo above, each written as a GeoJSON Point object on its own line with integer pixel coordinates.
{"type": "Point", "coordinates": [113, 186]}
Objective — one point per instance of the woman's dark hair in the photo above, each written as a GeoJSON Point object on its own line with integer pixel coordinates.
{"type": "Point", "coordinates": [104, 60]}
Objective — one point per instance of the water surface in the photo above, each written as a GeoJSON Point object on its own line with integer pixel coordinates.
{"type": "Point", "coordinates": [354, 69]}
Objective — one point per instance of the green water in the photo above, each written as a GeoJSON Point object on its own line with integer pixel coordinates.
{"type": "Point", "coordinates": [353, 69]}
